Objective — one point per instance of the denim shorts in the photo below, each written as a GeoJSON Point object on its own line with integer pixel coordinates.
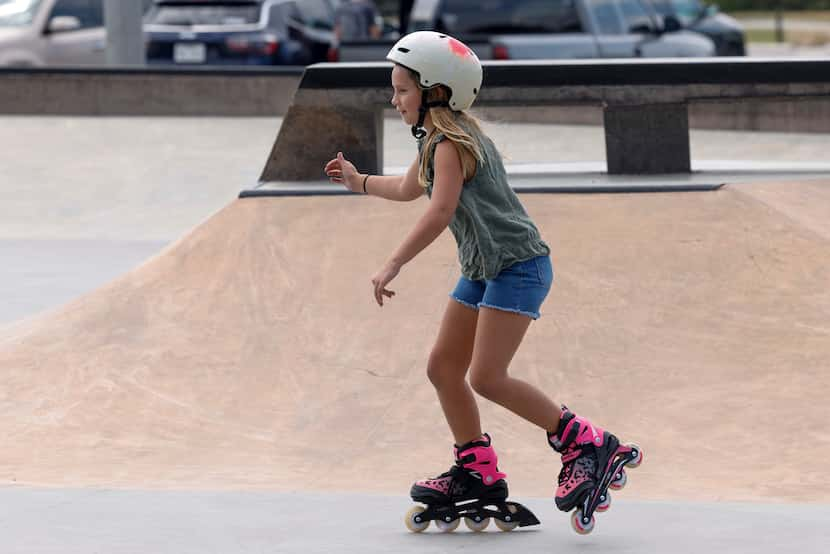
{"type": "Point", "coordinates": [520, 288]}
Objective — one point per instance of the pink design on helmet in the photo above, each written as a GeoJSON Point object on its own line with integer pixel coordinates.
{"type": "Point", "coordinates": [459, 48]}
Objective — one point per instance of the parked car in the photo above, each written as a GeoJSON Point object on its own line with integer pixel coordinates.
{"type": "Point", "coordinates": [233, 32]}
{"type": "Point", "coordinates": [53, 32]}
{"type": "Point", "coordinates": [726, 32]}
{"type": "Point", "coordinates": [549, 29]}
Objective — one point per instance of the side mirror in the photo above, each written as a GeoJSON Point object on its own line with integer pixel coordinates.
{"type": "Point", "coordinates": [671, 24]}
{"type": "Point", "coordinates": [64, 23]}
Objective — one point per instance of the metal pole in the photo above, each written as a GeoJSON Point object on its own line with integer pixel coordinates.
{"type": "Point", "coordinates": [779, 21]}
{"type": "Point", "coordinates": [125, 38]}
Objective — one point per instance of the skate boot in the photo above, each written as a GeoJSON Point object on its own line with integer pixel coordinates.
{"type": "Point", "coordinates": [473, 488]}
{"type": "Point", "coordinates": [593, 461]}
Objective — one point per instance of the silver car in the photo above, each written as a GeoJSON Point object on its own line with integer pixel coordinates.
{"type": "Point", "coordinates": [53, 32]}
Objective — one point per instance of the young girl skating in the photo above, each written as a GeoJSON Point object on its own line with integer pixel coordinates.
{"type": "Point", "coordinates": [506, 274]}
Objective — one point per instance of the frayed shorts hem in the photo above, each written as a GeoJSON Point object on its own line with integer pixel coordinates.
{"type": "Point", "coordinates": [532, 315]}
{"type": "Point", "coordinates": [473, 306]}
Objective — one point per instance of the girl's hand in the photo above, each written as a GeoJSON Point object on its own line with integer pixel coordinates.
{"type": "Point", "coordinates": [342, 171]}
{"type": "Point", "coordinates": [382, 278]}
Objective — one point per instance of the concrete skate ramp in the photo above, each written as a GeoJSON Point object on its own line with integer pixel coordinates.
{"type": "Point", "coordinates": [250, 354]}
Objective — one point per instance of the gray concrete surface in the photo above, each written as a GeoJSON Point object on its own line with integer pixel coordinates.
{"type": "Point", "coordinates": [36, 275]}
{"type": "Point", "coordinates": [47, 521]}
{"type": "Point", "coordinates": [82, 200]}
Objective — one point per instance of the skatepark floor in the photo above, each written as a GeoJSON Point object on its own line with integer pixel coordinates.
{"type": "Point", "coordinates": [71, 222]}
{"type": "Point", "coordinates": [66, 521]}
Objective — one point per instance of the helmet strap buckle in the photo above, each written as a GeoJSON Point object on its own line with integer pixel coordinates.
{"type": "Point", "coordinates": [418, 130]}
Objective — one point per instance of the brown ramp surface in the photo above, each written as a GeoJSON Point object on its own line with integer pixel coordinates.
{"type": "Point", "coordinates": [250, 354]}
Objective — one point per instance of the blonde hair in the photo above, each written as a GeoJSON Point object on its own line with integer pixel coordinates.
{"type": "Point", "coordinates": [456, 126]}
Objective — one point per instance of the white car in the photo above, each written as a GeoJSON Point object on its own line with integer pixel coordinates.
{"type": "Point", "coordinates": [53, 32]}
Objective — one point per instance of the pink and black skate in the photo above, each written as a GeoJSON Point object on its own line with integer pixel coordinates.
{"type": "Point", "coordinates": [593, 460]}
{"type": "Point", "coordinates": [473, 488]}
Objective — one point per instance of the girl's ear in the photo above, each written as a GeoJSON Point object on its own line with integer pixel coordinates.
{"type": "Point", "coordinates": [438, 94]}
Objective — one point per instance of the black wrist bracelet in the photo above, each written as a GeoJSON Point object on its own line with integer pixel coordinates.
{"type": "Point", "coordinates": [364, 183]}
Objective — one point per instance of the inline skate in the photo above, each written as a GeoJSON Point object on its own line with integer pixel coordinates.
{"type": "Point", "coordinates": [473, 489]}
{"type": "Point", "coordinates": [593, 460]}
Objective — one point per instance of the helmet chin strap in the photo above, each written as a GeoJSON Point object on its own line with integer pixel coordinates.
{"type": "Point", "coordinates": [418, 130]}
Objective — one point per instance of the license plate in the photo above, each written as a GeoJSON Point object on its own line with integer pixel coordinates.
{"type": "Point", "coordinates": [189, 52]}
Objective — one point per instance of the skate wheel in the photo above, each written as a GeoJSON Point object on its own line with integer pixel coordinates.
{"type": "Point", "coordinates": [506, 526]}
{"type": "Point", "coordinates": [639, 459]}
{"type": "Point", "coordinates": [411, 519]}
{"type": "Point", "coordinates": [605, 504]}
{"type": "Point", "coordinates": [447, 526]}
{"type": "Point", "coordinates": [477, 526]}
{"type": "Point", "coordinates": [579, 525]}
{"type": "Point", "coordinates": [619, 480]}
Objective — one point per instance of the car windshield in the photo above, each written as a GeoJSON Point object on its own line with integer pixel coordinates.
{"type": "Point", "coordinates": [17, 13]}
{"type": "Point", "coordinates": [207, 14]}
{"type": "Point", "coordinates": [497, 16]}
{"type": "Point", "coordinates": [684, 9]}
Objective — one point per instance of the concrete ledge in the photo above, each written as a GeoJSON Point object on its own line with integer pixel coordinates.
{"type": "Point", "coordinates": [592, 178]}
{"type": "Point", "coordinates": [802, 115]}
{"type": "Point", "coordinates": [268, 92]}
{"type": "Point", "coordinates": [323, 189]}
{"type": "Point", "coordinates": [148, 92]}
{"type": "Point", "coordinates": [645, 105]}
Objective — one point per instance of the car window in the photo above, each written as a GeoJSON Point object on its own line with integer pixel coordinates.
{"type": "Point", "coordinates": [683, 8]}
{"type": "Point", "coordinates": [637, 20]}
{"type": "Point", "coordinates": [686, 10]}
{"type": "Point", "coordinates": [278, 15]}
{"type": "Point", "coordinates": [204, 15]}
{"type": "Point", "coordinates": [89, 12]}
{"type": "Point", "coordinates": [504, 16]}
{"type": "Point", "coordinates": [608, 17]}
{"type": "Point", "coordinates": [663, 7]}
{"type": "Point", "coordinates": [316, 14]}
{"type": "Point", "coordinates": [14, 13]}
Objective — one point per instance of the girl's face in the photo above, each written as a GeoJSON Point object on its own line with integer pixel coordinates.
{"type": "Point", "coordinates": [406, 96]}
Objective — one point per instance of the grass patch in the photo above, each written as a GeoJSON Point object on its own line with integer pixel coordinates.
{"type": "Point", "coordinates": [798, 38]}
{"type": "Point", "coordinates": [762, 35]}
{"type": "Point", "coordinates": [806, 15]}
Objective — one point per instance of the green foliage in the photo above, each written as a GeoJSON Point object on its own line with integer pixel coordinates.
{"type": "Point", "coordinates": [767, 5]}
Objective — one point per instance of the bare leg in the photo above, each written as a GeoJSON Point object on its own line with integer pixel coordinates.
{"type": "Point", "coordinates": [447, 369]}
{"type": "Point", "coordinates": [498, 336]}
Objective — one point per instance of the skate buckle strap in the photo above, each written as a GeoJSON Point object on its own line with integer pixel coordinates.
{"type": "Point", "coordinates": [481, 461]}
{"type": "Point", "coordinates": [577, 429]}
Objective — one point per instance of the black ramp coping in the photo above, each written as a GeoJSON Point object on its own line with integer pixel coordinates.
{"type": "Point", "coordinates": [544, 73]}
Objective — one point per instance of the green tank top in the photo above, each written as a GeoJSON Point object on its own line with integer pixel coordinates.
{"type": "Point", "coordinates": [491, 227]}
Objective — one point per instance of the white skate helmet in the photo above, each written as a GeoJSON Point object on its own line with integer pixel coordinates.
{"type": "Point", "coordinates": [440, 59]}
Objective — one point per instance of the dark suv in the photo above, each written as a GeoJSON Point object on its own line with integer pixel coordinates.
{"type": "Point", "coordinates": [727, 34]}
{"type": "Point", "coordinates": [237, 32]}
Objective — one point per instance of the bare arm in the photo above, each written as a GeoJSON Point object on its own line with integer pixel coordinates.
{"type": "Point", "coordinates": [401, 188]}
